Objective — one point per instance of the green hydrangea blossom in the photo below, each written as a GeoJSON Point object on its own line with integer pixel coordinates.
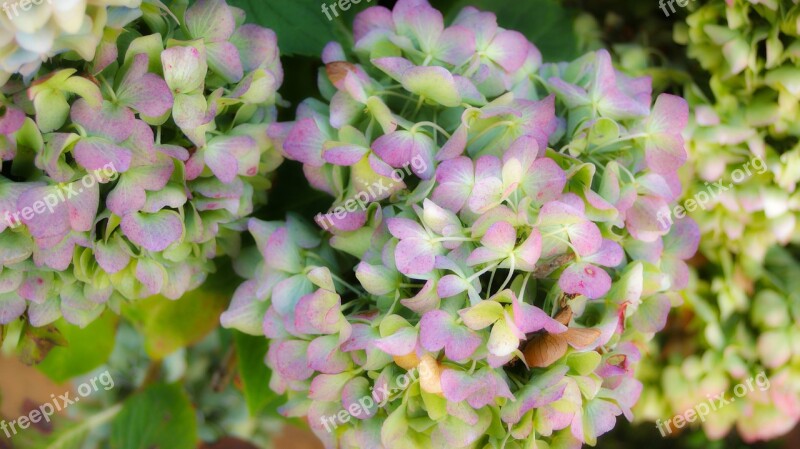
{"type": "Point", "coordinates": [741, 317]}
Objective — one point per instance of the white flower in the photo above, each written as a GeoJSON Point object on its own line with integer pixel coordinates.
{"type": "Point", "coordinates": [31, 31]}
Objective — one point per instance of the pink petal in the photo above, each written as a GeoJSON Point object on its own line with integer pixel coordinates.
{"type": "Point", "coordinates": [585, 236]}
{"type": "Point", "coordinates": [529, 318]}
{"type": "Point", "coordinates": [438, 330]}
{"type": "Point", "coordinates": [609, 255]}
{"type": "Point", "coordinates": [455, 45]}
{"type": "Point", "coordinates": [400, 343]}
{"type": "Point", "coordinates": [11, 120]}
{"type": "Point", "coordinates": [290, 359]}
{"type": "Point", "coordinates": [417, 19]}
{"type": "Point", "coordinates": [529, 252]}
{"type": "Point", "coordinates": [49, 224]}
{"type": "Point", "coordinates": [82, 207]}
{"type": "Point", "coordinates": [643, 220]}
{"type": "Point", "coordinates": [455, 146]}
{"type": "Point", "coordinates": [112, 121]}
{"type": "Point", "coordinates": [210, 19]}
{"type": "Point", "coordinates": [450, 286]}
{"type": "Point", "coordinates": [145, 92]}
{"type": "Point", "coordinates": [455, 178]}
{"type": "Point", "coordinates": [545, 181]}
{"type": "Point", "coordinates": [393, 66]}
{"type": "Point", "coordinates": [324, 355]}
{"type": "Point", "coordinates": [344, 154]}
{"type": "Point", "coordinates": [11, 307]}
{"type": "Point", "coordinates": [500, 237]}
{"type": "Point", "coordinates": [665, 153]}
{"type": "Point", "coordinates": [415, 256]}
{"type": "Point", "coordinates": [257, 46]}
{"type": "Point", "coordinates": [670, 115]}
{"type": "Point", "coordinates": [585, 279]}
{"type": "Point", "coordinates": [223, 58]}
{"type": "Point", "coordinates": [111, 257]}
{"type": "Point", "coordinates": [318, 313]}
{"type": "Point", "coordinates": [376, 18]}
{"type": "Point", "coordinates": [304, 143]}
{"type": "Point", "coordinates": [403, 228]}
{"type": "Point", "coordinates": [223, 153]}
{"type": "Point", "coordinates": [509, 49]}
{"type": "Point", "coordinates": [426, 299]}
{"type": "Point", "coordinates": [683, 239]}
{"type": "Point", "coordinates": [153, 232]}
{"type": "Point", "coordinates": [151, 275]}
{"type": "Point", "coordinates": [94, 153]}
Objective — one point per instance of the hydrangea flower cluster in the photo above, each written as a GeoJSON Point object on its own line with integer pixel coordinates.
{"type": "Point", "coordinates": [32, 32]}
{"type": "Point", "coordinates": [728, 350]}
{"type": "Point", "coordinates": [494, 259]}
{"type": "Point", "coordinates": [127, 178]}
{"type": "Point", "coordinates": [752, 114]}
{"type": "Point", "coordinates": [743, 320]}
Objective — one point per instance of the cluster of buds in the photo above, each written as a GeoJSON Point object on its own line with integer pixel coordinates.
{"type": "Point", "coordinates": [719, 352]}
{"type": "Point", "coordinates": [493, 257]}
{"type": "Point", "coordinates": [742, 317]}
{"type": "Point", "coordinates": [751, 116]}
{"type": "Point", "coordinates": [32, 31]}
{"type": "Point", "coordinates": [125, 179]}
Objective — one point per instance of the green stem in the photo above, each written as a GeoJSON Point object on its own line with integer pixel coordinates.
{"type": "Point", "coordinates": [478, 274]}
{"type": "Point", "coordinates": [346, 284]}
{"type": "Point", "coordinates": [432, 125]}
{"type": "Point", "coordinates": [602, 149]}
{"type": "Point", "coordinates": [521, 297]}
{"type": "Point", "coordinates": [510, 273]}
{"type": "Point", "coordinates": [453, 239]}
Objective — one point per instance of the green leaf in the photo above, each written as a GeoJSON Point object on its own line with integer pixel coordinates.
{"type": "Point", "coordinates": [86, 348]}
{"type": "Point", "coordinates": [544, 22]}
{"type": "Point", "coordinates": [169, 325]}
{"type": "Point", "coordinates": [302, 26]}
{"type": "Point", "coordinates": [253, 372]}
{"type": "Point", "coordinates": [159, 417]}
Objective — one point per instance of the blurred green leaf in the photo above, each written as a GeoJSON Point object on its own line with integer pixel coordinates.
{"type": "Point", "coordinates": [85, 350]}
{"type": "Point", "coordinates": [159, 417]}
{"type": "Point", "coordinates": [301, 25]}
{"type": "Point", "coordinates": [169, 325]}
{"type": "Point", "coordinates": [253, 372]}
{"type": "Point", "coordinates": [546, 23]}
